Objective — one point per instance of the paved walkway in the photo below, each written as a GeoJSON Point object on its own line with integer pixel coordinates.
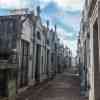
{"type": "Point", "coordinates": [63, 87]}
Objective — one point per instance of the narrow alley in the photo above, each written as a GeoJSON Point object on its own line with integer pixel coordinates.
{"type": "Point", "coordinates": [63, 87]}
{"type": "Point", "coordinates": [49, 49]}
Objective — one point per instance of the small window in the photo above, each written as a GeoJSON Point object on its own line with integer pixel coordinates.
{"type": "Point", "coordinates": [48, 42]}
{"type": "Point", "coordinates": [2, 26]}
{"type": "Point", "coordinates": [10, 27]}
{"type": "Point", "coordinates": [38, 35]}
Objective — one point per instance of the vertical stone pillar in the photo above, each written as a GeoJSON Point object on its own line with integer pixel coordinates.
{"type": "Point", "coordinates": [99, 31]}
{"type": "Point", "coordinates": [18, 49]}
{"type": "Point", "coordinates": [91, 93]}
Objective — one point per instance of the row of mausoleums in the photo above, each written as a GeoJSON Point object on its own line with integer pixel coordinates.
{"type": "Point", "coordinates": [89, 50]}
{"type": "Point", "coordinates": [30, 52]}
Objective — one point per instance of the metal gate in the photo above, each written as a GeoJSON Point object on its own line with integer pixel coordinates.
{"type": "Point", "coordinates": [37, 69]}
{"type": "Point", "coordinates": [25, 63]}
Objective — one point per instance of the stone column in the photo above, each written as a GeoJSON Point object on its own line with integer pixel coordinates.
{"type": "Point", "coordinates": [99, 31]}
{"type": "Point", "coordinates": [91, 93]}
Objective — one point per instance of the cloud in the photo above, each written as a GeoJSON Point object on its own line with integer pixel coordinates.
{"type": "Point", "coordinates": [10, 4]}
{"type": "Point", "coordinates": [68, 39]}
{"type": "Point", "coordinates": [65, 35]}
{"type": "Point", "coordinates": [68, 20]}
{"type": "Point", "coordinates": [70, 4]}
{"type": "Point", "coordinates": [72, 45]}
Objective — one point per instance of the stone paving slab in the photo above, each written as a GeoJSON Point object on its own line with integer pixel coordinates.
{"type": "Point", "coordinates": [63, 87]}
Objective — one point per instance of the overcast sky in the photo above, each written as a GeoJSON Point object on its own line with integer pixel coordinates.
{"type": "Point", "coordinates": [64, 13]}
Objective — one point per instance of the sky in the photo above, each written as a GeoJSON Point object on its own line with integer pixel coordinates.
{"type": "Point", "coordinates": [64, 13]}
